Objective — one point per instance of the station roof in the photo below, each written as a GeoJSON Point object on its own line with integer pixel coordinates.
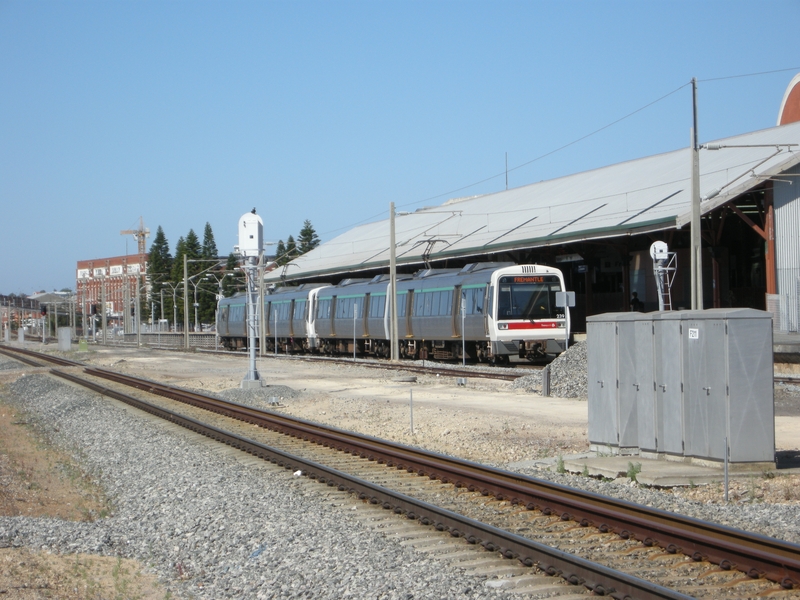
{"type": "Point", "coordinates": [49, 298]}
{"type": "Point", "coordinates": [646, 194]}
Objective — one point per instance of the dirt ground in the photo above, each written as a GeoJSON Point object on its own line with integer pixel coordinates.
{"type": "Point", "coordinates": [38, 480]}
{"type": "Point", "coordinates": [485, 421]}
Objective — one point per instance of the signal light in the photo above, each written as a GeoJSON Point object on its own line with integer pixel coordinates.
{"type": "Point", "coordinates": [43, 310]}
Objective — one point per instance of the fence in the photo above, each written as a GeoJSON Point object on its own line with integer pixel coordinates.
{"type": "Point", "coordinates": [173, 340]}
{"type": "Point", "coordinates": [785, 309]}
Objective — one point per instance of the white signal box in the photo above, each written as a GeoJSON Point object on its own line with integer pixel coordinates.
{"type": "Point", "coordinates": [251, 235]}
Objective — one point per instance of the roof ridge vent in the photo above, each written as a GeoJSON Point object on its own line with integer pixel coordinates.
{"type": "Point", "coordinates": [529, 268]}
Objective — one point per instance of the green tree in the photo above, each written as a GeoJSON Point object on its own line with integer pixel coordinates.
{"type": "Point", "coordinates": [280, 253]}
{"type": "Point", "coordinates": [207, 286]}
{"type": "Point", "coordinates": [193, 251]}
{"type": "Point", "coordinates": [234, 280]}
{"type": "Point", "coordinates": [291, 249]}
{"type": "Point", "coordinates": [177, 278]}
{"type": "Point", "coordinates": [159, 270]}
{"type": "Point", "coordinates": [308, 238]}
{"type": "Point", "coordinates": [209, 249]}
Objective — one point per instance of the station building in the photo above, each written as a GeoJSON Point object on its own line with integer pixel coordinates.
{"type": "Point", "coordinates": [598, 227]}
{"type": "Point", "coordinates": [115, 277]}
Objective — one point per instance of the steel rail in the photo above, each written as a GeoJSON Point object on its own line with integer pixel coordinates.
{"type": "Point", "coordinates": [22, 359]}
{"type": "Point", "coordinates": [575, 570]}
{"type": "Point", "coordinates": [56, 360]}
{"type": "Point", "coordinates": [377, 364]}
{"type": "Point", "coordinates": [754, 554]}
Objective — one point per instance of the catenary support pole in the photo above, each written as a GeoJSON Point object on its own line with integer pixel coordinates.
{"type": "Point", "coordinates": [394, 342]}
{"type": "Point", "coordinates": [185, 302]}
{"type": "Point", "coordinates": [696, 238]}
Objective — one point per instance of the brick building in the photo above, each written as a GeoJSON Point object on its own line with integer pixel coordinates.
{"type": "Point", "coordinates": [118, 275]}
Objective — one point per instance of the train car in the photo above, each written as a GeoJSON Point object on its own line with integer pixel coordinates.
{"type": "Point", "coordinates": [354, 312]}
{"type": "Point", "coordinates": [485, 311]}
{"type": "Point", "coordinates": [232, 321]}
{"type": "Point", "coordinates": [504, 310]}
{"type": "Point", "coordinates": [289, 323]}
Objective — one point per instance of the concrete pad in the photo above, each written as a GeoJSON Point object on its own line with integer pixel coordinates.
{"type": "Point", "coordinates": [662, 473]}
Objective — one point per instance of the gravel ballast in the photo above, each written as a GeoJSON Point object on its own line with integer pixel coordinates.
{"type": "Point", "coordinates": [279, 539]}
{"type": "Point", "coordinates": [209, 525]}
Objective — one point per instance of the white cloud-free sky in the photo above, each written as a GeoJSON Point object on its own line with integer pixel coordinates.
{"type": "Point", "coordinates": [191, 112]}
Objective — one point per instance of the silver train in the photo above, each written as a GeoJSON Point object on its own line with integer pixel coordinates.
{"type": "Point", "coordinates": [500, 309]}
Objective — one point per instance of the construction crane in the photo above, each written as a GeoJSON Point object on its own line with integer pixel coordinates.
{"type": "Point", "coordinates": [140, 235]}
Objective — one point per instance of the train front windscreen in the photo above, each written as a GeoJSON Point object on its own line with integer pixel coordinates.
{"type": "Point", "coordinates": [528, 297]}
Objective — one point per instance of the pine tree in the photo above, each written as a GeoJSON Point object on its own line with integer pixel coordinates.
{"type": "Point", "coordinates": [291, 249]}
{"type": "Point", "coordinates": [207, 286]}
{"type": "Point", "coordinates": [308, 238]}
{"type": "Point", "coordinates": [280, 253]}
{"type": "Point", "coordinates": [209, 246]}
{"type": "Point", "coordinates": [177, 277]}
{"type": "Point", "coordinates": [159, 266]}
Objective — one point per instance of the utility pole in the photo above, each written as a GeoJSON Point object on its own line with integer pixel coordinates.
{"type": "Point", "coordinates": [393, 342]}
{"type": "Point", "coordinates": [103, 304]}
{"type": "Point", "coordinates": [697, 240]}
{"type": "Point", "coordinates": [185, 302]}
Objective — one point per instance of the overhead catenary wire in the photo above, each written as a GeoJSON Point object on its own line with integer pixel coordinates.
{"type": "Point", "coordinates": [560, 148]}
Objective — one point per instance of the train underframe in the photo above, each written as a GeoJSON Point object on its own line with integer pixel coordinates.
{"type": "Point", "coordinates": [411, 349]}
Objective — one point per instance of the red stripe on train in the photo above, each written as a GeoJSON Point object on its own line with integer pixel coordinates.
{"type": "Point", "coordinates": [535, 325]}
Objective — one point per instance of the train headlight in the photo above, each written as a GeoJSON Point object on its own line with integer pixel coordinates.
{"type": "Point", "coordinates": [502, 325]}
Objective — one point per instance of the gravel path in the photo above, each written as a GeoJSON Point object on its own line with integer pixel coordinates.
{"type": "Point", "coordinates": [210, 526]}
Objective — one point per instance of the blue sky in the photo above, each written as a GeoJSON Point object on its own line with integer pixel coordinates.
{"type": "Point", "coordinates": [191, 112]}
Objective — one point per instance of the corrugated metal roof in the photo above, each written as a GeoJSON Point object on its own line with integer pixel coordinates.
{"type": "Point", "coordinates": [646, 194]}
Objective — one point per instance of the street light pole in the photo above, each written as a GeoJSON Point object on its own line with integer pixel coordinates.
{"type": "Point", "coordinates": [185, 303]}
{"type": "Point", "coordinates": [697, 242]}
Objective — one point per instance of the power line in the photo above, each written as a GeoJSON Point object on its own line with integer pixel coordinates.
{"type": "Point", "coordinates": [573, 142]}
{"type": "Point", "coordinates": [580, 139]}
{"type": "Point", "coordinates": [748, 75]}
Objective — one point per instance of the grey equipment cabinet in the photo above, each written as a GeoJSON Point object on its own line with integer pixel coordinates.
{"type": "Point", "coordinates": [611, 385]}
{"type": "Point", "coordinates": [728, 366]}
{"type": "Point", "coordinates": [668, 358]}
{"type": "Point", "coordinates": [644, 383]}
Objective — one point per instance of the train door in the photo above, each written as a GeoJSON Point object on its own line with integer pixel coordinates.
{"type": "Point", "coordinates": [456, 321]}
{"type": "Point", "coordinates": [409, 313]}
{"type": "Point", "coordinates": [489, 304]}
{"type": "Point", "coordinates": [365, 316]}
{"type": "Point", "coordinates": [333, 315]}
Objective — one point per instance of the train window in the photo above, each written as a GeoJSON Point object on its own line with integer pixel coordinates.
{"type": "Point", "coordinates": [283, 310]}
{"type": "Point", "coordinates": [324, 308]}
{"type": "Point", "coordinates": [342, 304]}
{"type": "Point", "coordinates": [377, 305]}
{"type": "Point", "coordinates": [237, 313]}
{"type": "Point", "coordinates": [299, 310]}
{"type": "Point", "coordinates": [419, 304]}
{"type": "Point", "coordinates": [402, 299]}
{"type": "Point", "coordinates": [473, 298]}
{"type": "Point", "coordinates": [527, 300]}
{"type": "Point", "coordinates": [446, 303]}
{"type": "Point", "coordinates": [344, 307]}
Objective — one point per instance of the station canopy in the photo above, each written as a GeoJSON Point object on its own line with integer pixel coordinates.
{"type": "Point", "coordinates": [633, 197]}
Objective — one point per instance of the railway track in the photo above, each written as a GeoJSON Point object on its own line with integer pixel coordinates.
{"type": "Point", "coordinates": [432, 368]}
{"type": "Point", "coordinates": [756, 564]}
